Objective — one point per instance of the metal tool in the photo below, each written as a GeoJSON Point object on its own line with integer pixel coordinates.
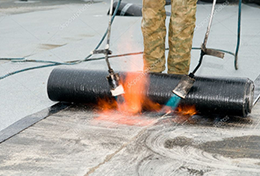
{"type": "Point", "coordinates": [184, 86]}
{"type": "Point", "coordinates": [113, 78]}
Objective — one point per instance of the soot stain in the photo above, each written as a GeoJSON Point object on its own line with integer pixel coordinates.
{"type": "Point", "coordinates": [193, 171]}
{"type": "Point", "coordinates": [50, 46]}
{"type": "Point", "coordinates": [237, 147]}
{"type": "Point", "coordinates": [178, 141]}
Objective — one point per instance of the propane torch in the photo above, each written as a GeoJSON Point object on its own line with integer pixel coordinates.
{"type": "Point", "coordinates": [113, 78]}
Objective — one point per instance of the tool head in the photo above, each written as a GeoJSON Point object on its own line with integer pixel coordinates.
{"type": "Point", "coordinates": [184, 86]}
{"type": "Point", "coordinates": [115, 85]}
{"type": "Point", "coordinates": [212, 52]}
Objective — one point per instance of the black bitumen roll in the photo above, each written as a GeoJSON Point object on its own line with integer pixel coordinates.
{"type": "Point", "coordinates": [227, 96]}
{"type": "Point", "coordinates": [129, 9]}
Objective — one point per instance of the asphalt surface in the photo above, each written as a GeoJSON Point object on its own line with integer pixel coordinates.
{"type": "Point", "coordinates": [81, 140]}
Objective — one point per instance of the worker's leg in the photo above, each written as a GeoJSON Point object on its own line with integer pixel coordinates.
{"type": "Point", "coordinates": [154, 32]}
{"type": "Point", "coordinates": [181, 31]}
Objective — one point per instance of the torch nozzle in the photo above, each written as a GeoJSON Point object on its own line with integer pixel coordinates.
{"type": "Point", "coordinates": [184, 86]}
{"type": "Point", "coordinates": [116, 87]}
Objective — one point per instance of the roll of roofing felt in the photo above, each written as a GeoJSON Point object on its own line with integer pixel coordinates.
{"type": "Point", "coordinates": [129, 9]}
{"type": "Point", "coordinates": [227, 96]}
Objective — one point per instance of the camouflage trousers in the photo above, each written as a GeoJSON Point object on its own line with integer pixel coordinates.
{"type": "Point", "coordinates": [181, 29]}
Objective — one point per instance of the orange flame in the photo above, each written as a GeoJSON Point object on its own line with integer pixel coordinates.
{"type": "Point", "coordinates": [118, 118]}
{"type": "Point", "coordinates": [134, 103]}
{"type": "Point", "coordinates": [135, 97]}
{"type": "Point", "coordinates": [107, 104]}
{"type": "Point", "coordinates": [186, 110]}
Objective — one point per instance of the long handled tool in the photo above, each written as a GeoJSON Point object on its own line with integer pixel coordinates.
{"type": "Point", "coordinates": [187, 81]}
{"type": "Point", "coordinates": [113, 78]}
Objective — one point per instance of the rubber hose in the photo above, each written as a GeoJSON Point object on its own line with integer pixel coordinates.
{"type": "Point", "coordinates": [228, 96]}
